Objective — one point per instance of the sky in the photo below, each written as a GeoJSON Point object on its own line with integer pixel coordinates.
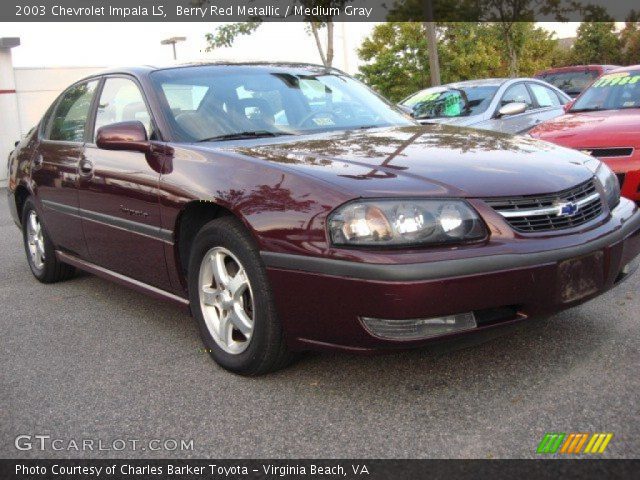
{"type": "Point", "coordinates": [131, 43]}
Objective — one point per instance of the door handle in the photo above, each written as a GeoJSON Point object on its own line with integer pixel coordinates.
{"type": "Point", "coordinates": [86, 167]}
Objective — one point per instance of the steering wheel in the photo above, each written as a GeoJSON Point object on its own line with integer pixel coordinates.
{"type": "Point", "coordinates": [312, 115]}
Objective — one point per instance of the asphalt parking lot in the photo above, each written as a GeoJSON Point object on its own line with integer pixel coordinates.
{"type": "Point", "coordinates": [87, 359]}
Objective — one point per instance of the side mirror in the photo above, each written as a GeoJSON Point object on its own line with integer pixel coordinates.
{"type": "Point", "coordinates": [513, 108]}
{"type": "Point", "coordinates": [567, 106]}
{"type": "Point", "coordinates": [123, 136]}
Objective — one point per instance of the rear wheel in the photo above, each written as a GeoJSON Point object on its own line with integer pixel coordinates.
{"type": "Point", "coordinates": [232, 302]}
{"type": "Point", "coordinates": [40, 250]}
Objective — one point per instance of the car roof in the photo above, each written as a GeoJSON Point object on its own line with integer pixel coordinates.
{"type": "Point", "coordinates": [145, 70]}
{"type": "Point", "coordinates": [577, 68]}
{"type": "Point", "coordinates": [630, 68]}
{"type": "Point", "coordinates": [479, 83]}
{"type": "Point", "coordinates": [484, 82]}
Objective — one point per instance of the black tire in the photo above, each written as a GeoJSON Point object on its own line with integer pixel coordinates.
{"type": "Point", "coordinates": [266, 351]}
{"type": "Point", "coordinates": [52, 270]}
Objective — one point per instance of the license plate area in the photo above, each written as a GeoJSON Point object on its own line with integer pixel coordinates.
{"type": "Point", "coordinates": [580, 277]}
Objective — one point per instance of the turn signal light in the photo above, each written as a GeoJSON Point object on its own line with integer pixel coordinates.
{"type": "Point", "coordinates": [419, 328]}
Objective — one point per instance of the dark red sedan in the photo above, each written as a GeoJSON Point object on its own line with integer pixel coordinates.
{"type": "Point", "coordinates": [605, 122]}
{"type": "Point", "coordinates": [575, 79]}
{"type": "Point", "coordinates": [291, 208]}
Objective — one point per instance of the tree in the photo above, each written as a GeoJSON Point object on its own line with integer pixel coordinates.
{"type": "Point", "coordinates": [397, 57]}
{"type": "Point", "coordinates": [596, 42]}
{"type": "Point", "coordinates": [508, 16]}
{"type": "Point", "coordinates": [538, 49]}
{"type": "Point", "coordinates": [630, 40]}
{"type": "Point", "coordinates": [470, 50]}
{"type": "Point", "coordinates": [397, 63]}
{"type": "Point", "coordinates": [225, 35]}
{"type": "Point", "coordinates": [561, 56]}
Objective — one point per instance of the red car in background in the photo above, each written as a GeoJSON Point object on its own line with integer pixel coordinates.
{"type": "Point", "coordinates": [605, 122]}
{"type": "Point", "coordinates": [575, 79]}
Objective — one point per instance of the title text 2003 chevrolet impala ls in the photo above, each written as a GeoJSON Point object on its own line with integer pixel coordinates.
{"type": "Point", "coordinates": [291, 208]}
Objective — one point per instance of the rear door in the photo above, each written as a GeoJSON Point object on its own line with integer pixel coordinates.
{"type": "Point", "coordinates": [118, 193]}
{"type": "Point", "coordinates": [547, 102]}
{"type": "Point", "coordinates": [55, 166]}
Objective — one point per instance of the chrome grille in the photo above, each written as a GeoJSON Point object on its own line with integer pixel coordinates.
{"type": "Point", "coordinates": [550, 212]}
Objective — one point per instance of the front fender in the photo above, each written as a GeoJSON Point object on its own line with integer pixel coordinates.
{"type": "Point", "coordinates": [285, 210]}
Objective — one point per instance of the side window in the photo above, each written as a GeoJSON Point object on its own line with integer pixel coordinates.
{"type": "Point", "coordinates": [545, 97]}
{"type": "Point", "coordinates": [70, 115]}
{"type": "Point", "coordinates": [517, 93]}
{"type": "Point", "coordinates": [121, 101]}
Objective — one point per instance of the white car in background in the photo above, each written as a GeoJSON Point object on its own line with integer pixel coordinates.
{"type": "Point", "coordinates": [509, 105]}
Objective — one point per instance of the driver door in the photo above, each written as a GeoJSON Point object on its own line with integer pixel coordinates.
{"type": "Point", "coordinates": [119, 193]}
{"type": "Point", "coordinates": [518, 123]}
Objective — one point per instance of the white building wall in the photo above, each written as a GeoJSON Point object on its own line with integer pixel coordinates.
{"type": "Point", "coordinates": [36, 88]}
{"type": "Point", "coordinates": [9, 125]}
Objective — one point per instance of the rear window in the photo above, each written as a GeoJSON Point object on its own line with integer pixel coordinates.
{"type": "Point", "coordinates": [572, 83]}
{"type": "Point", "coordinates": [70, 116]}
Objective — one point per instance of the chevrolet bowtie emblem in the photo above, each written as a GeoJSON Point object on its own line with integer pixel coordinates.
{"type": "Point", "coordinates": [567, 209]}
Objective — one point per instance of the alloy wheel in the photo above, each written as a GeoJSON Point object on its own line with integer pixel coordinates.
{"type": "Point", "coordinates": [35, 240]}
{"type": "Point", "coordinates": [226, 300]}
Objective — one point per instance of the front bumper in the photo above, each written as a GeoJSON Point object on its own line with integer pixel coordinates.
{"type": "Point", "coordinates": [628, 171]}
{"type": "Point", "coordinates": [321, 301]}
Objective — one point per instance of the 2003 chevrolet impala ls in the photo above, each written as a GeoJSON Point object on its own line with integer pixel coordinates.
{"type": "Point", "coordinates": [291, 208]}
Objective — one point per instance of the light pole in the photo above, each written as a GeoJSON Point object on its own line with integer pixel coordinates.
{"type": "Point", "coordinates": [172, 41]}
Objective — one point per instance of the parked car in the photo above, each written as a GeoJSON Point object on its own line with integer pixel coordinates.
{"type": "Point", "coordinates": [291, 208]}
{"type": "Point", "coordinates": [605, 122]}
{"type": "Point", "coordinates": [512, 105]}
{"type": "Point", "coordinates": [575, 79]}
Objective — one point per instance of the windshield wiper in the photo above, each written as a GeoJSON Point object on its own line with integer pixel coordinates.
{"type": "Point", "coordinates": [243, 135]}
{"type": "Point", "coordinates": [578, 110]}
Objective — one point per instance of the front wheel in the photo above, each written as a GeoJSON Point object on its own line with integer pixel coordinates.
{"type": "Point", "coordinates": [232, 302]}
{"type": "Point", "coordinates": [39, 248]}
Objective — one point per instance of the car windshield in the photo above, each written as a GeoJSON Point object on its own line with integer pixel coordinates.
{"type": "Point", "coordinates": [228, 103]}
{"type": "Point", "coordinates": [613, 91]}
{"type": "Point", "coordinates": [571, 83]}
{"type": "Point", "coordinates": [438, 102]}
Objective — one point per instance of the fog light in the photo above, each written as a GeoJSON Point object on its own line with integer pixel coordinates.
{"type": "Point", "coordinates": [419, 328]}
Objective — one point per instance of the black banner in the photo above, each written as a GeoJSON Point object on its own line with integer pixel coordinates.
{"type": "Point", "coordinates": [304, 469]}
{"type": "Point", "coordinates": [313, 10]}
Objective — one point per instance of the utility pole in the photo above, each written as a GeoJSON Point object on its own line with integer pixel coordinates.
{"type": "Point", "coordinates": [172, 41]}
{"type": "Point", "coordinates": [345, 50]}
{"type": "Point", "coordinates": [432, 43]}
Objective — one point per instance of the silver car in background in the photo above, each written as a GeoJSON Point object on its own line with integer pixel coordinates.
{"type": "Point", "coordinates": [509, 105]}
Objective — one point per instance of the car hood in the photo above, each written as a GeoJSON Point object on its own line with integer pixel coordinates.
{"type": "Point", "coordinates": [424, 160]}
{"type": "Point", "coordinates": [610, 128]}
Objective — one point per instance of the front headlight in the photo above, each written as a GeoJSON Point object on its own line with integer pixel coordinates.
{"type": "Point", "coordinates": [608, 180]}
{"type": "Point", "coordinates": [395, 223]}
